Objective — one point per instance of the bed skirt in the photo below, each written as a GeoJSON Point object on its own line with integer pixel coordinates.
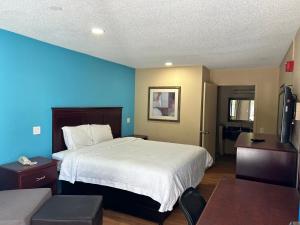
{"type": "Point", "coordinates": [119, 200]}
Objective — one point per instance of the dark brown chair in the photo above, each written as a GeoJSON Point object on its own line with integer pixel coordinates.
{"type": "Point", "coordinates": [192, 204]}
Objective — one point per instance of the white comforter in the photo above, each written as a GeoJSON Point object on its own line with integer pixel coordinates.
{"type": "Point", "coordinates": [159, 170]}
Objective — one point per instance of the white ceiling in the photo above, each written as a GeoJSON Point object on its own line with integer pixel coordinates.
{"type": "Point", "coordinates": [147, 33]}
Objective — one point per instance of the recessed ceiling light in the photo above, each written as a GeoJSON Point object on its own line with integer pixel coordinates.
{"type": "Point", "coordinates": [97, 31]}
{"type": "Point", "coordinates": [168, 64]}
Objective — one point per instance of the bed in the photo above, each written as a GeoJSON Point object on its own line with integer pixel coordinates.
{"type": "Point", "coordinates": [142, 178]}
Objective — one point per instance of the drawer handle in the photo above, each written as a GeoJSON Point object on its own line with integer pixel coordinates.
{"type": "Point", "coordinates": [40, 178]}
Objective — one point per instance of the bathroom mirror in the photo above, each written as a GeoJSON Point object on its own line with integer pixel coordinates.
{"type": "Point", "coordinates": [241, 110]}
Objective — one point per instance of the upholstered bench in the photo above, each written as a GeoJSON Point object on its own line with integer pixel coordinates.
{"type": "Point", "coordinates": [18, 206]}
{"type": "Point", "coordinates": [70, 209]}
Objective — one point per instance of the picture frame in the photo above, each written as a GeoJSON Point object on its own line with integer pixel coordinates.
{"type": "Point", "coordinates": [164, 103]}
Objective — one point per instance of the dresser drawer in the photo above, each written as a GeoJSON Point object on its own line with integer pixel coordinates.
{"type": "Point", "coordinates": [39, 178]}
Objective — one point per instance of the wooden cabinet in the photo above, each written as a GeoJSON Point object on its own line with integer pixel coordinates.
{"type": "Point", "coordinates": [16, 176]}
{"type": "Point", "coordinates": [269, 161]}
{"type": "Point", "coordinates": [145, 137]}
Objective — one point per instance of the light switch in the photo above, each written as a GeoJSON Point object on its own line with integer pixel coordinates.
{"type": "Point", "coordinates": [128, 119]}
{"type": "Point", "coordinates": [261, 130]}
{"type": "Point", "coordinates": [36, 130]}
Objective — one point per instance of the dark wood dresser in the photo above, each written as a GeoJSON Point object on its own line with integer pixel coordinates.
{"type": "Point", "coordinates": [269, 161]}
{"type": "Point", "coordinates": [16, 176]}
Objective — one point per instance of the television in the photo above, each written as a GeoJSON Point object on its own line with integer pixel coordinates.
{"type": "Point", "coordinates": [286, 107]}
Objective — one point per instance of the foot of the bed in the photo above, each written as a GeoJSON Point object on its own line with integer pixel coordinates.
{"type": "Point", "coordinates": [119, 200]}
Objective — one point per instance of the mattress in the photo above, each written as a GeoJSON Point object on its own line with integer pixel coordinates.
{"type": "Point", "coordinates": [159, 170]}
{"type": "Point", "coordinates": [59, 156]}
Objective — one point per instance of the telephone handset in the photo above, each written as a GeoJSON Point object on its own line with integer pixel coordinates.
{"type": "Point", "coordinates": [25, 161]}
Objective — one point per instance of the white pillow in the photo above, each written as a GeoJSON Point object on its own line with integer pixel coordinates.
{"type": "Point", "coordinates": [101, 133]}
{"type": "Point", "coordinates": [77, 137]}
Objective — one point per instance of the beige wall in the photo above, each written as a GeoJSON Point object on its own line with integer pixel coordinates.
{"type": "Point", "coordinates": [191, 81]}
{"type": "Point", "coordinates": [294, 80]}
{"type": "Point", "coordinates": [266, 81]}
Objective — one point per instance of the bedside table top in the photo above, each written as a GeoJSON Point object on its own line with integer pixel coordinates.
{"type": "Point", "coordinates": [140, 136]}
{"type": "Point", "coordinates": [19, 168]}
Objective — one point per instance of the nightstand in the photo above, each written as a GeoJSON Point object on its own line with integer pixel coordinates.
{"type": "Point", "coordinates": [145, 137]}
{"type": "Point", "coordinates": [16, 176]}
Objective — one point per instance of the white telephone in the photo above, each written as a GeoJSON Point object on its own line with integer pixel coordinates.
{"type": "Point", "coordinates": [25, 161]}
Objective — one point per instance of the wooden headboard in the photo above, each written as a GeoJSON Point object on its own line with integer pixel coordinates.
{"type": "Point", "coordinates": [77, 116]}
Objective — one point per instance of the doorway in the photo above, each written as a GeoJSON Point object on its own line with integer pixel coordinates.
{"type": "Point", "coordinates": [235, 114]}
{"type": "Point", "coordinates": [209, 118]}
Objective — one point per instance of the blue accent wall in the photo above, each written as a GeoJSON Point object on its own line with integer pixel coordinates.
{"type": "Point", "coordinates": [36, 76]}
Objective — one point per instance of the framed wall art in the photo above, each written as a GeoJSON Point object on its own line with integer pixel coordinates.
{"type": "Point", "coordinates": [164, 103]}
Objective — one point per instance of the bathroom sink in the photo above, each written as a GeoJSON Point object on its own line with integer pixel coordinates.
{"type": "Point", "coordinates": [232, 133]}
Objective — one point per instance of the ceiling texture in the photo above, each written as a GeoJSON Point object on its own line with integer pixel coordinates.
{"type": "Point", "coordinates": [147, 33]}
